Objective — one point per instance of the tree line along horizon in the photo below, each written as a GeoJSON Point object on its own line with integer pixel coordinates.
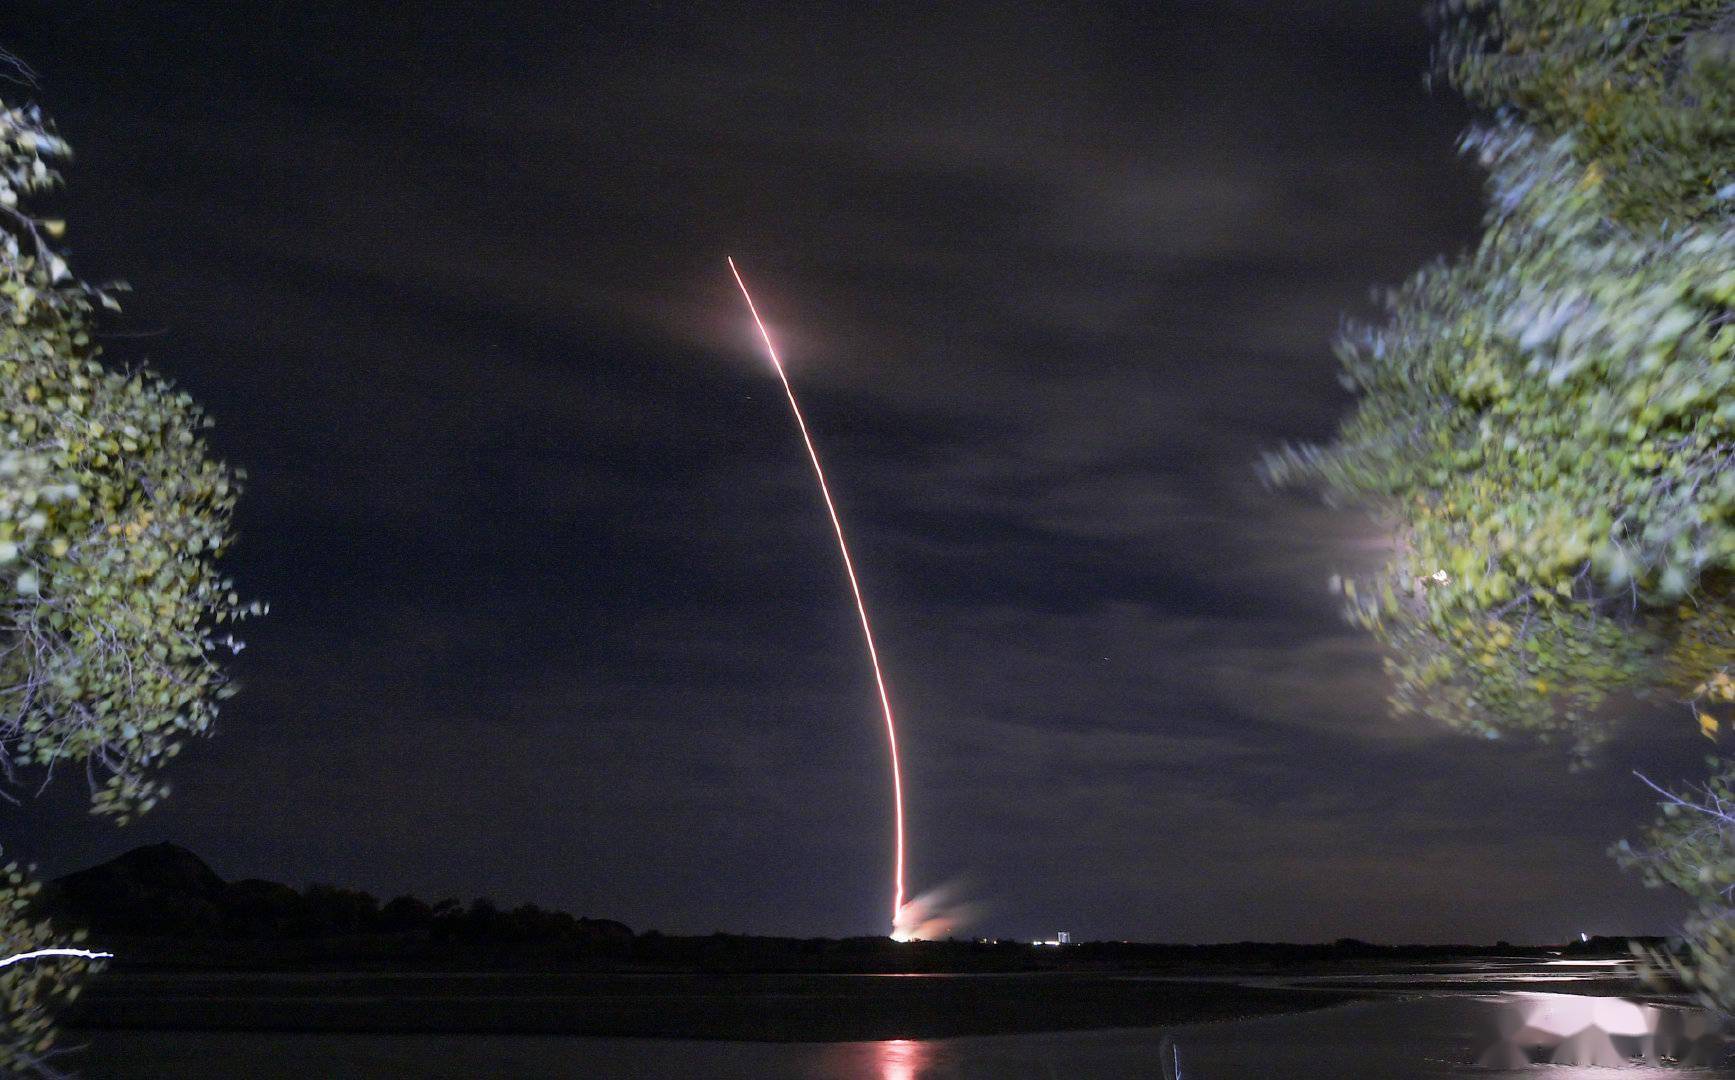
{"type": "Point", "coordinates": [1545, 425]}
{"type": "Point", "coordinates": [165, 891]}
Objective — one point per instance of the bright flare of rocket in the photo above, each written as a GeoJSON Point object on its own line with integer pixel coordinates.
{"type": "Point", "coordinates": [867, 631]}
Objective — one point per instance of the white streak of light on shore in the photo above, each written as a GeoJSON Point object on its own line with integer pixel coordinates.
{"type": "Point", "coordinates": [83, 954]}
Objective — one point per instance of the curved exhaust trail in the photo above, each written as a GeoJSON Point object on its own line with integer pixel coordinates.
{"type": "Point", "coordinates": [867, 631]}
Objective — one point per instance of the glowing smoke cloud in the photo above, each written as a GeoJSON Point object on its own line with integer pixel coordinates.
{"type": "Point", "coordinates": [899, 930]}
{"type": "Point", "coordinates": [938, 913]}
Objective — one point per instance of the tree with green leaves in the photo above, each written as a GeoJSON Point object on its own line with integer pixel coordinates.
{"type": "Point", "coordinates": [113, 515]}
{"type": "Point", "coordinates": [1547, 424]}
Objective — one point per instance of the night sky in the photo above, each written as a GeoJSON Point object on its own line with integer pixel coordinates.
{"type": "Point", "coordinates": [556, 612]}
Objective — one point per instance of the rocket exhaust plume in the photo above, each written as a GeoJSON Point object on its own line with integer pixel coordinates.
{"type": "Point", "coordinates": [898, 928]}
{"type": "Point", "coordinates": [938, 913]}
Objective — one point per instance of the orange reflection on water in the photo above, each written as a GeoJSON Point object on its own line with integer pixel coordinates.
{"type": "Point", "coordinates": [901, 1059]}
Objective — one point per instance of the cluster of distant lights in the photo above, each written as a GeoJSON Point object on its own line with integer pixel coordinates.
{"type": "Point", "coordinates": [1065, 938]}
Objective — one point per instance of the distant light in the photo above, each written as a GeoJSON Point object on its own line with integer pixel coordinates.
{"type": "Point", "coordinates": [1583, 937]}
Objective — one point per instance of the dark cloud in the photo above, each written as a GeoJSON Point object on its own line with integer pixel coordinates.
{"type": "Point", "coordinates": [555, 611]}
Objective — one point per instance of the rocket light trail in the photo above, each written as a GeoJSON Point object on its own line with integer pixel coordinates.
{"type": "Point", "coordinates": [854, 588]}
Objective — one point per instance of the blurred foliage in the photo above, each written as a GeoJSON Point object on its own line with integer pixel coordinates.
{"type": "Point", "coordinates": [1691, 848]}
{"type": "Point", "coordinates": [31, 991]}
{"type": "Point", "coordinates": [112, 516]}
{"type": "Point", "coordinates": [1546, 425]}
{"type": "Point", "coordinates": [1645, 87]}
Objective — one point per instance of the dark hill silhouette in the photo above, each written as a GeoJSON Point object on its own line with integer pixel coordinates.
{"type": "Point", "coordinates": [160, 889]}
{"type": "Point", "coordinates": [162, 867]}
{"type": "Point", "coordinates": [165, 891]}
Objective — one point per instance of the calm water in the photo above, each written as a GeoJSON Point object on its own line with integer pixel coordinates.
{"type": "Point", "coordinates": [1433, 1025]}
